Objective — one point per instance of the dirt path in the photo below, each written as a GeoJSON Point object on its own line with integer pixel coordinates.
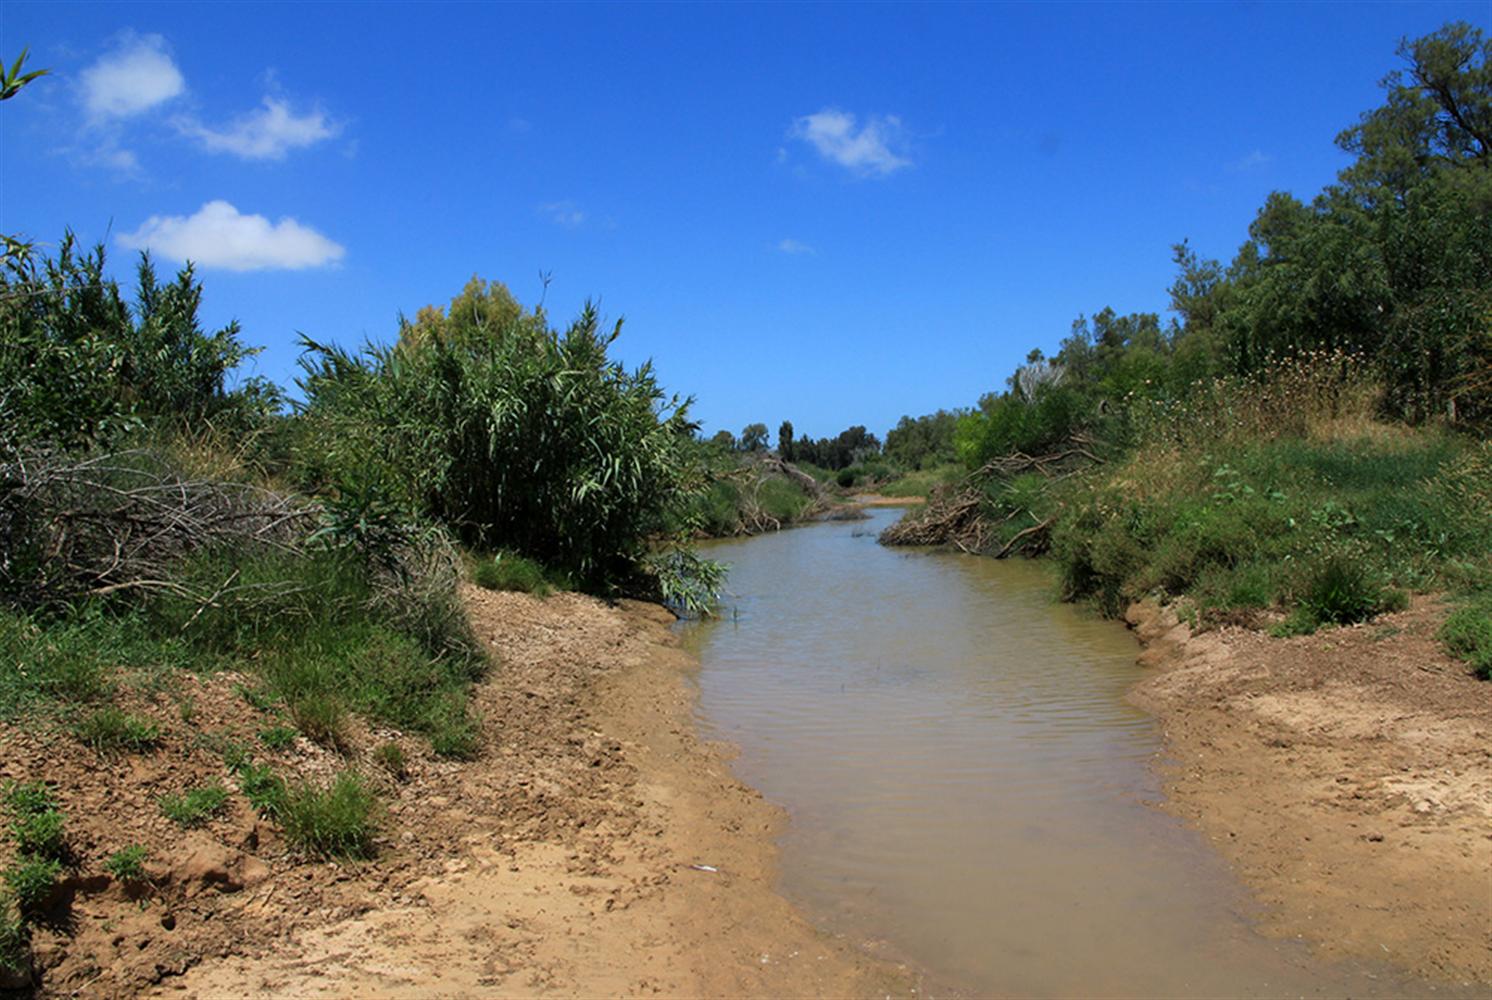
{"type": "Point", "coordinates": [1346, 776]}
{"type": "Point", "coordinates": [598, 849]}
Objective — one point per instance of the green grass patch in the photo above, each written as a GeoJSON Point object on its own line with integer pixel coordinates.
{"type": "Point", "coordinates": [127, 864]}
{"type": "Point", "coordinates": [922, 482]}
{"type": "Point", "coordinates": [337, 821]}
{"type": "Point", "coordinates": [390, 757]}
{"type": "Point", "coordinates": [195, 807]}
{"type": "Point", "coordinates": [1467, 634]}
{"type": "Point", "coordinates": [264, 789]}
{"type": "Point", "coordinates": [511, 571]}
{"type": "Point", "coordinates": [278, 737]}
{"type": "Point", "coordinates": [112, 730]}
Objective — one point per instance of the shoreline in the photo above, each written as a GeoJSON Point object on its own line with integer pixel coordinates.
{"type": "Point", "coordinates": [624, 860]}
{"type": "Point", "coordinates": [1344, 776]}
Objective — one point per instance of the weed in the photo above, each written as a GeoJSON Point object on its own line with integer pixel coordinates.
{"type": "Point", "coordinates": [278, 737]}
{"type": "Point", "coordinates": [29, 798]}
{"type": "Point", "coordinates": [196, 806]}
{"type": "Point", "coordinates": [390, 757]}
{"type": "Point", "coordinates": [186, 709]}
{"type": "Point", "coordinates": [31, 881]}
{"type": "Point", "coordinates": [15, 941]}
{"type": "Point", "coordinates": [256, 697]}
{"type": "Point", "coordinates": [262, 787]}
{"type": "Point", "coordinates": [321, 717]}
{"type": "Point", "coordinates": [38, 834]}
{"type": "Point", "coordinates": [128, 864]}
{"type": "Point", "coordinates": [110, 730]}
{"type": "Point", "coordinates": [336, 821]}
{"type": "Point", "coordinates": [1342, 591]}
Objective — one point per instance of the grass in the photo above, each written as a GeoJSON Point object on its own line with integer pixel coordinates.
{"type": "Point", "coordinates": [15, 939]}
{"type": "Point", "coordinates": [112, 730]}
{"type": "Point", "coordinates": [335, 821]}
{"type": "Point", "coordinates": [264, 789]}
{"type": "Point", "coordinates": [1467, 633]}
{"type": "Point", "coordinates": [278, 737]}
{"type": "Point", "coordinates": [920, 483]}
{"type": "Point", "coordinates": [390, 757]}
{"type": "Point", "coordinates": [511, 571]}
{"type": "Point", "coordinates": [194, 807]}
{"type": "Point", "coordinates": [1330, 529]}
{"type": "Point", "coordinates": [127, 864]}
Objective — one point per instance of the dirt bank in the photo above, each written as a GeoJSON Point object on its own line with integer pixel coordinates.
{"type": "Point", "coordinates": [1346, 777]}
{"type": "Point", "coordinates": [597, 848]}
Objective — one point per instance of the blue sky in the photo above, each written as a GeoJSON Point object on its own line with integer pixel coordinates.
{"type": "Point", "coordinates": [832, 214]}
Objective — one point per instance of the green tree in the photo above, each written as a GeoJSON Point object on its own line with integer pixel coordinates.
{"type": "Point", "coordinates": [785, 440]}
{"type": "Point", "coordinates": [754, 437]}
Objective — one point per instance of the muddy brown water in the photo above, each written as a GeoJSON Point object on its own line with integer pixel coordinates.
{"type": "Point", "coordinates": [968, 790]}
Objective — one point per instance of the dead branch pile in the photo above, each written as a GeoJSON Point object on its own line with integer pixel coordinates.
{"type": "Point", "coordinates": [72, 527]}
{"type": "Point", "coordinates": [959, 515]}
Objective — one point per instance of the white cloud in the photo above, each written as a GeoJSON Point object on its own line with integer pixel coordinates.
{"type": "Point", "coordinates": [136, 76]}
{"type": "Point", "coordinates": [794, 248]}
{"type": "Point", "coordinates": [266, 133]}
{"type": "Point", "coordinates": [1252, 161]}
{"type": "Point", "coordinates": [219, 236]}
{"type": "Point", "coordinates": [563, 213]}
{"type": "Point", "coordinates": [869, 151]}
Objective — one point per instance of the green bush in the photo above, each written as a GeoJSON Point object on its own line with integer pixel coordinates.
{"type": "Point", "coordinates": [110, 729]}
{"type": "Point", "coordinates": [339, 820]}
{"type": "Point", "coordinates": [512, 435]}
{"type": "Point", "coordinates": [1342, 591]}
{"type": "Point", "coordinates": [196, 806]}
{"type": "Point", "coordinates": [128, 864]}
{"type": "Point", "coordinates": [1467, 633]}
{"type": "Point", "coordinates": [510, 571]}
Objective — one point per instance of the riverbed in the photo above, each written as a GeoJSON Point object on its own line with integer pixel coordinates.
{"type": "Point", "coordinates": [968, 789]}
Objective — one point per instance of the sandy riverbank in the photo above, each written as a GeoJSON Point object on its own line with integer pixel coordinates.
{"type": "Point", "coordinates": [1345, 776]}
{"type": "Point", "coordinates": [572, 859]}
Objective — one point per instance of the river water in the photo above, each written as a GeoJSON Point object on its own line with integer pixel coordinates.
{"type": "Point", "coordinates": [967, 788]}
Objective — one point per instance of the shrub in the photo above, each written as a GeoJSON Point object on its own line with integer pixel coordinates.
{"type": "Point", "coordinates": [128, 864]}
{"type": "Point", "coordinates": [338, 820]}
{"type": "Point", "coordinates": [31, 881]}
{"type": "Point", "coordinates": [1467, 633]}
{"type": "Point", "coordinates": [510, 571]}
{"type": "Point", "coordinates": [512, 435]}
{"type": "Point", "coordinates": [110, 729]}
{"type": "Point", "coordinates": [195, 807]}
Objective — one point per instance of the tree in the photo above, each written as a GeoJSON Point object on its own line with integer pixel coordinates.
{"type": "Point", "coordinates": [754, 437]}
{"type": "Point", "coordinates": [785, 440]}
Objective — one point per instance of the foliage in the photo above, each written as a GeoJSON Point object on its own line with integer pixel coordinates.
{"type": "Point", "coordinates": [12, 79]}
{"type": "Point", "coordinates": [390, 757]}
{"type": "Point", "coordinates": [924, 442]}
{"type": "Point", "coordinates": [80, 365]}
{"type": "Point", "coordinates": [277, 737]}
{"type": "Point", "coordinates": [1467, 633]}
{"type": "Point", "coordinates": [31, 881]}
{"type": "Point", "coordinates": [851, 445]}
{"type": "Point", "coordinates": [15, 939]}
{"type": "Point", "coordinates": [512, 435]}
{"type": "Point", "coordinates": [262, 787]}
{"type": "Point", "coordinates": [194, 807]}
{"type": "Point", "coordinates": [337, 821]}
{"type": "Point", "coordinates": [923, 482]}
{"type": "Point", "coordinates": [511, 571]}
{"type": "Point", "coordinates": [128, 864]}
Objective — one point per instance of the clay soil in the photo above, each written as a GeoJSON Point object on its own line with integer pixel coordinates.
{"type": "Point", "coordinates": [1346, 776]}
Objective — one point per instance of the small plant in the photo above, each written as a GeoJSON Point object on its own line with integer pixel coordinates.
{"type": "Point", "coordinates": [31, 881]}
{"type": "Point", "coordinates": [110, 729]}
{"type": "Point", "coordinates": [390, 757]}
{"type": "Point", "coordinates": [257, 697]}
{"type": "Point", "coordinates": [187, 710]}
{"type": "Point", "coordinates": [28, 798]}
{"type": "Point", "coordinates": [128, 864]}
{"type": "Point", "coordinates": [38, 834]}
{"type": "Point", "coordinates": [262, 787]}
{"type": "Point", "coordinates": [510, 571]}
{"type": "Point", "coordinates": [278, 737]}
{"type": "Point", "coordinates": [195, 807]}
{"type": "Point", "coordinates": [15, 944]}
{"type": "Point", "coordinates": [336, 821]}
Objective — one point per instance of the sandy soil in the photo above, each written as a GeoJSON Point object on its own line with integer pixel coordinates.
{"type": "Point", "coordinates": [597, 848]}
{"type": "Point", "coordinates": [1346, 776]}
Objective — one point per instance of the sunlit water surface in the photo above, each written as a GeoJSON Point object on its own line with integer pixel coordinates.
{"type": "Point", "coordinates": [966, 782]}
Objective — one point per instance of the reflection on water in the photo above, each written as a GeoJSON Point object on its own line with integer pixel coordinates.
{"type": "Point", "coordinates": [966, 781]}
